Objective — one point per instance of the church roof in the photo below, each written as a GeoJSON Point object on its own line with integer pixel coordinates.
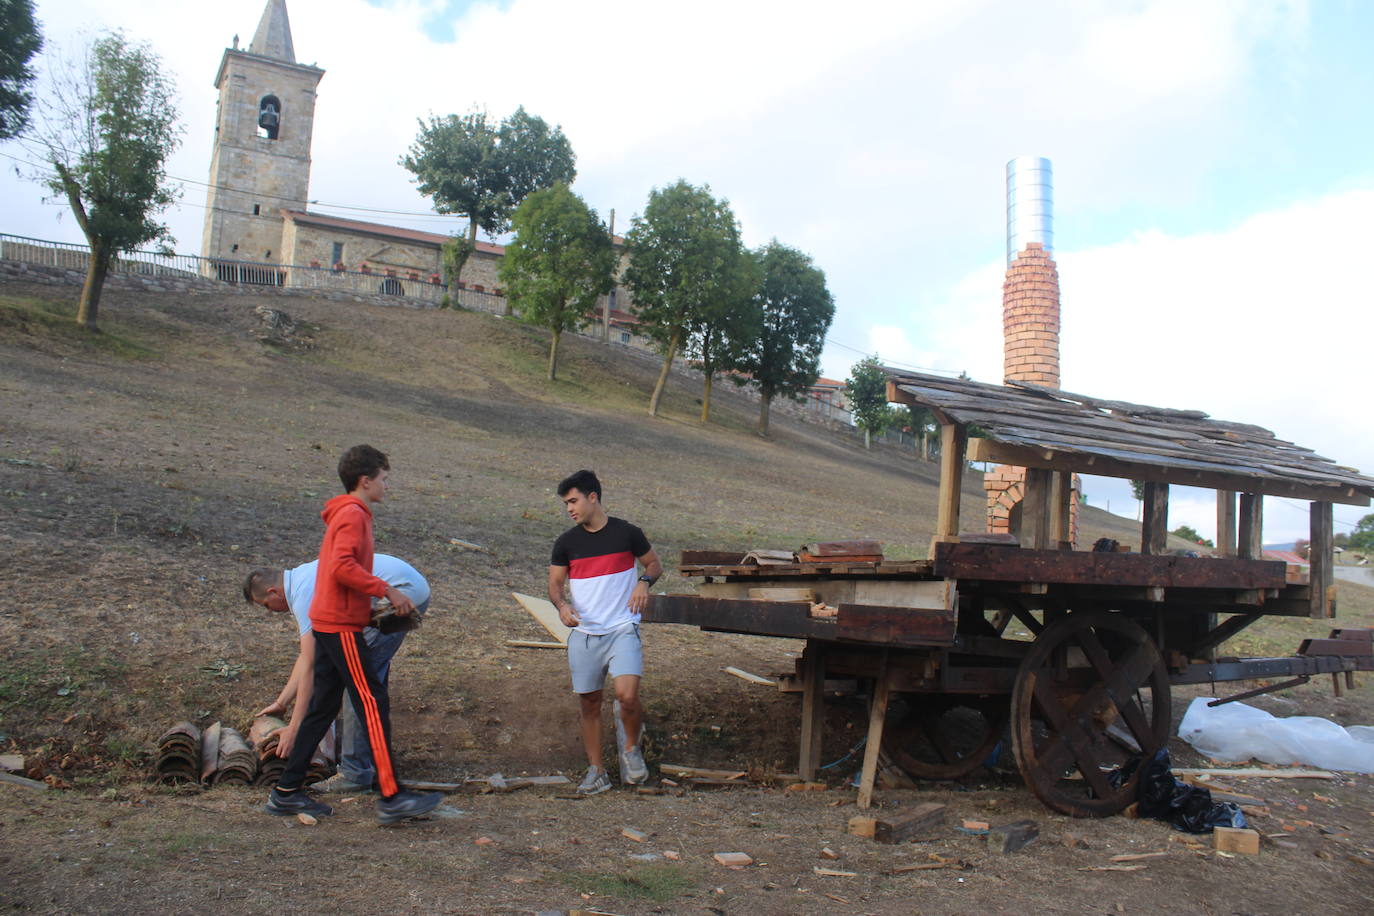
{"type": "Point", "coordinates": [273, 38]}
{"type": "Point", "coordinates": [377, 229]}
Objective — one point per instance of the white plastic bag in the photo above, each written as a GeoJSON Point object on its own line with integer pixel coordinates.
{"type": "Point", "coordinates": [1236, 732]}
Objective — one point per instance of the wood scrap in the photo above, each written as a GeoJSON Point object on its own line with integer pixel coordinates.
{"type": "Point", "coordinates": [822, 609]}
{"type": "Point", "coordinates": [24, 781]}
{"type": "Point", "coordinates": [900, 827]}
{"type": "Point", "coordinates": [11, 763]}
{"type": "Point", "coordinates": [532, 644]}
{"type": "Point", "coordinates": [677, 769]}
{"type": "Point", "coordinates": [1137, 856]}
{"type": "Point", "coordinates": [1113, 868]}
{"type": "Point", "coordinates": [1254, 772]}
{"type": "Point", "coordinates": [1236, 840]}
{"type": "Point", "coordinates": [733, 859]}
{"type": "Point", "coordinates": [777, 593]}
{"type": "Point", "coordinates": [833, 872]}
{"type": "Point", "coordinates": [751, 678]}
{"type": "Point", "coordinates": [1008, 838]}
{"type": "Point", "coordinates": [545, 614]}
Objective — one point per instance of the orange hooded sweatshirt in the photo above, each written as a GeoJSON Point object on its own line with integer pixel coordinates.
{"type": "Point", "coordinates": [344, 584]}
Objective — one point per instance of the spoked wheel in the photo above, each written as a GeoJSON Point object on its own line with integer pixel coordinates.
{"type": "Point", "coordinates": [1092, 694]}
{"type": "Point", "coordinates": [944, 736]}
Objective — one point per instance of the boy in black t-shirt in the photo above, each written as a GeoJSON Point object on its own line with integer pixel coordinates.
{"type": "Point", "coordinates": [595, 561]}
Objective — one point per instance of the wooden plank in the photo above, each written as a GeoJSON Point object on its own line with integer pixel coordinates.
{"type": "Point", "coordinates": [980, 561]}
{"type": "Point", "coordinates": [953, 443]}
{"type": "Point", "coordinates": [1236, 839]}
{"type": "Point", "coordinates": [1226, 523]}
{"type": "Point", "coordinates": [776, 593]}
{"type": "Point", "coordinates": [543, 611]}
{"type": "Point", "coordinates": [751, 678]}
{"type": "Point", "coordinates": [678, 769]}
{"type": "Point", "coordinates": [532, 644]}
{"type": "Point", "coordinates": [812, 665]}
{"type": "Point", "coordinates": [738, 615]}
{"type": "Point", "coordinates": [1154, 526]}
{"type": "Point", "coordinates": [859, 547]}
{"type": "Point", "coordinates": [1321, 560]}
{"type": "Point", "coordinates": [1061, 511]}
{"type": "Point", "coordinates": [1250, 527]}
{"type": "Point", "coordinates": [1348, 647]}
{"type": "Point", "coordinates": [900, 626]}
{"type": "Point", "coordinates": [908, 825]}
{"type": "Point", "coordinates": [24, 781]}
{"type": "Point", "coordinates": [877, 715]}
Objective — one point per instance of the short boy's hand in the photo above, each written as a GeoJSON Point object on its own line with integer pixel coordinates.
{"type": "Point", "coordinates": [568, 615]}
{"type": "Point", "coordinates": [272, 709]}
{"type": "Point", "coordinates": [400, 601]}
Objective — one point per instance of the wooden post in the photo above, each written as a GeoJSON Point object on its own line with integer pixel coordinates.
{"type": "Point", "coordinates": [877, 714]}
{"type": "Point", "coordinates": [1154, 527]}
{"type": "Point", "coordinates": [1226, 523]}
{"type": "Point", "coordinates": [1035, 508]}
{"type": "Point", "coordinates": [1320, 558]}
{"type": "Point", "coordinates": [1250, 530]}
{"type": "Point", "coordinates": [1061, 517]}
{"type": "Point", "coordinates": [813, 709]}
{"type": "Point", "coordinates": [953, 445]}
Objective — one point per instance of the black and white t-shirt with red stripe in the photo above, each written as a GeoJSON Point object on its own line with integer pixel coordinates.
{"type": "Point", "coordinates": [601, 572]}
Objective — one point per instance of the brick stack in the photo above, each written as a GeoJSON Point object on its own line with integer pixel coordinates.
{"type": "Point", "coordinates": [1030, 329]}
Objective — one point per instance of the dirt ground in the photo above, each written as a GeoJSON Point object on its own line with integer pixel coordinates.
{"type": "Point", "coordinates": [142, 474]}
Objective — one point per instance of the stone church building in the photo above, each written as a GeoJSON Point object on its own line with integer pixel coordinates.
{"type": "Point", "coordinates": [258, 228]}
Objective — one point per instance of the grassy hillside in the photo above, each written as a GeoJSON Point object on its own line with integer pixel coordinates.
{"type": "Point", "coordinates": [145, 470]}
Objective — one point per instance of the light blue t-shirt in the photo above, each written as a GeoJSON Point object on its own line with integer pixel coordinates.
{"type": "Point", "coordinates": [299, 584]}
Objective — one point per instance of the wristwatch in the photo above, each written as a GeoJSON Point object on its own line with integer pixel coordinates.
{"type": "Point", "coordinates": [647, 580]}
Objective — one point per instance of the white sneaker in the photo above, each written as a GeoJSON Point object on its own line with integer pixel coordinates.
{"type": "Point", "coordinates": [595, 782]}
{"type": "Point", "coordinates": [633, 769]}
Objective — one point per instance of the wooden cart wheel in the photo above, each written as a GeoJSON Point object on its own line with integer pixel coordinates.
{"type": "Point", "coordinates": [1092, 694]}
{"type": "Point", "coordinates": [945, 736]}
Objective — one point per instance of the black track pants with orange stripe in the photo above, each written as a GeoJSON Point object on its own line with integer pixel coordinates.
{"type": "Point", "coordinates": [341, 664]}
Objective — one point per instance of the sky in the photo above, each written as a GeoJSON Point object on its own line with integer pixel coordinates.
{"type": "Point", "coordinates": [1213, 177]}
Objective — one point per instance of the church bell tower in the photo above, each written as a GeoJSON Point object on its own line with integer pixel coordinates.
{"type": "Point", "coordinates": [261, 159]}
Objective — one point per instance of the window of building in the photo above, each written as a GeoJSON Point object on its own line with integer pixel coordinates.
{"type": "Point", "coordinates": [338, 254]}
{"type": "Point", "coordinates": [269, 117]}
{"type": "Point", "coordinates": [624, 337]}
{"type": "Point", "coordinates": [257, 209]}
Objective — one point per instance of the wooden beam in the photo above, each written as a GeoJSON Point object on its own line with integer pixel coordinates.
{"type": "Point", "coordinates": [953, 443]}
{"type": "Point", "coordinates": [813, 709]}
{"type": "Point", "coordinates": [1035, 509]}
{"type": "Point", "coordinates": [1154, 527]}
{"type": "Point", "coordinates": [1061, 511]}
{"type": "Point", "coordinates": [877, 714]}
{"type": "Point", "coordinates": [1080, 463]}
{"type": "Point", "coordinates": [1250, 528]}
{"type": "Point", "coordinates": [895, 625]}
{"type": "Point", "coordinates": [896, 395]}
{"type": "Point", "coordinates": [1000, 564]}
{"type": "Point", "coordinates": [1226, 523]}
{"type": "Point", "coordinates": [1321, 560]}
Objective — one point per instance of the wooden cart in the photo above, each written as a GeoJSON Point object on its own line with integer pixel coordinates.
{"type": "Point", "coordinates": [1084, 675]}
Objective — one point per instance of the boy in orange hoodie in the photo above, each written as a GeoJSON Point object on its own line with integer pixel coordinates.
{"type": "Point", "coordinates": [342, 608]}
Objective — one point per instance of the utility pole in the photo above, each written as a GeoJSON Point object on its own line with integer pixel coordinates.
{"type": "Point", "coordinates": [609, 302]}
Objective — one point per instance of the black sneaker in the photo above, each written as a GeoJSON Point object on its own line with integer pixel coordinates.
{"type": "Point", "coordinates": [285, 804]}
{"type": "Point", "coordinates": [406, 804]}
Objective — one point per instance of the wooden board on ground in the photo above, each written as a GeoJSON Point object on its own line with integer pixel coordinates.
{"type": "Point", "coordinates": [676, 769]}
{"type": "Point", "coordinates": [533, 644]}
{"type": "Point", "coordinates": [1233, 839]}
{"type": "Point", "coordinates": [1254, 772]}
{"type": "Point", "coordinates": [899, 826]}
{"type": "Point", "coordinates": [751, 678]}
{"type": "Point", "coordinates": [543, 611]}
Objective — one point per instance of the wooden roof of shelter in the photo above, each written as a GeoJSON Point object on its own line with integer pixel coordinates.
{"type": "Point", "coordinates": [1036, 427]}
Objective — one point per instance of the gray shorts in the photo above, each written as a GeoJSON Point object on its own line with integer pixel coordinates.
{"type": "Point", "coordinates": [590, 657]}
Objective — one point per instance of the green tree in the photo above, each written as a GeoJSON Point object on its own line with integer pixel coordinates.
{"type": "Point", "coordinates": [728, 328]}
{"type": "Point", "coordinates": [1138, 490]}
{"type": "Point", "coordinates": [794, 313]}
{"type": "Point", "coordinates": [473, 167]}
{"type": "Point", "coordinates": [686, 268]}
{"type": "Point", "coordinates": [560, 261]}
{"type": "Point", "coordinates": [866, 389]}
{"type": "Point", "coordinates": [1189, 533]}
{"type": "Point", "coordinates": [923, 424]}
{"type": "Point", "coordinates": [108, 131]}
{"type": "Point", "coordinates": [20, 40]}
{"type": "Point", "coordinates": [1362, 538]}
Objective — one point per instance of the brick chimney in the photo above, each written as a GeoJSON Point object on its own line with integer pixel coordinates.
{"type": "Point", "coordinates": [1030, 317]}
